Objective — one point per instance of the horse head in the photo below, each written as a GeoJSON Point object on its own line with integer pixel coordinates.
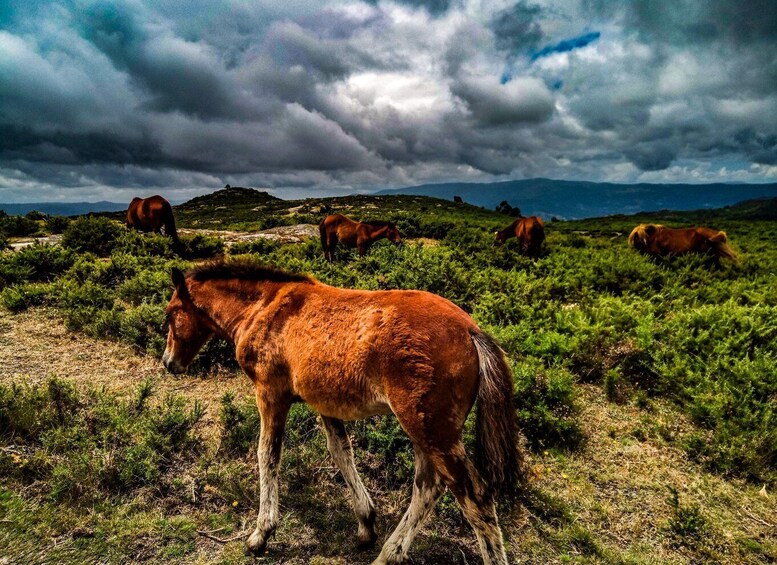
{"type": "Point", "coordinates": [189, 327]}
{"type": "Point", "coordinates": [393, 235]}
{"type": "Point", "coordinates": [640, 236]}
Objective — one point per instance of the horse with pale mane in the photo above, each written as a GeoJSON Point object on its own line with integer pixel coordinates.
{"type": "Point", "coordinates": [659, 240]}
{"type": "Point", "coordinates": [351, 354]}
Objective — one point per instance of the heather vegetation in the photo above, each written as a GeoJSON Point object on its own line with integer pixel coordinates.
{"type": "Point", "coordinates": [683, 333]}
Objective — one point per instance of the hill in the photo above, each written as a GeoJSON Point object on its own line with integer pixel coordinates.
{"type": "Point", "coordinates": [576, 199]}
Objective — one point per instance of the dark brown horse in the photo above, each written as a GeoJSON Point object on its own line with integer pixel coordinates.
{"type": "Point", "coordinates": [151, 215]}
{"type": "Point", "coordinates": [530, 233]}
{"type": "Point", "coordinates": [339, 228]}
{"type": "Point", "coordinates": [351, 354]}
{"type": "Point", "coordinates": [658, 240]}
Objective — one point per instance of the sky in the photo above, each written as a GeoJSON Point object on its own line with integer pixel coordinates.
{"type": "Point", "coordinates": [108, 100]}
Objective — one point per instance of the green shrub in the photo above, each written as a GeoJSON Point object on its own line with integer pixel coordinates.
{"type": "Point", "coordinates": [546, 407]}
{"type": "Point", "coordinates": [687, 524]}
{"type": "Point", "coordinates": [133, 242]}
{"type": "Point", "coordinates": [94, 445]}
{"type": "Point", "coordinates": [20, 297]}
{"type": "Point", "coordinates": [94, 234]}
{"type": "Point", "coordinates": [57, 224]}
{"type": "Point", "coordinates": [37, 263]}
{"type": "Point", "coordinates": [36, 216]}
{"type": "Point", "coordinates": [18, 226]}
{"type": "Point", "coordinates": [240, 425]}
{"type": "Point", "coordinates": [200, 246]}
{"type": "Point", "coordinates": [260, 246]}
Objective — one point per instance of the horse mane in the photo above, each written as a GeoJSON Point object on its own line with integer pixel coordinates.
{"type": "Point", "coordinates": [243, 269]}
{"type": "Point", "coordinates": [379, 223]}
{"type": "Point", "coordinates": [640, 233]}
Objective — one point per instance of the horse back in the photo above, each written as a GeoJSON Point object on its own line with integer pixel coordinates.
{"type": "Point", "coordinates": [686, 240]}
{"type": "Point", "coordinates": [350, 353]}
{"type": "Point", "coordinates": [342, 226]}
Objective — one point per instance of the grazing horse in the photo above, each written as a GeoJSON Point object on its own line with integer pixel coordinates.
{"type": "Point", "coordinates": [151, 215]}
{"type": "Point", "coordinates": [351, 354]}
{"type": "Point", "coordinates": [530, 233]}
{"type": "Point", "coordinates": [658, 240]}
{"type": "Point", "coordinates": [337, 227]}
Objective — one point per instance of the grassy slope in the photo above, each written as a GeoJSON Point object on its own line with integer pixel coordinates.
{"type": "Point", "coordinates": [588, 312]}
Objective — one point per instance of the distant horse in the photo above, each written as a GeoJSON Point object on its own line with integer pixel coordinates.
{"type": "Point", "coordinates": [151, 215]}
{"type": "Point", "coordinates": [658, 240]}
{"type": "Point", "coordinates": [530, 233]}
{"type": "Point", "coordinates": [362, 235]}
{"type": "Point", "coordinates": [352, 354]}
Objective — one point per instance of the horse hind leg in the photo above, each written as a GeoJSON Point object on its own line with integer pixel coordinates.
{"type": "Point", "coordinates": [478, 508]}
{"type": "Point", "coordinates": [339, 446]}
{"type": "Point", "coordinates": [427, 489]}
{"type": "Point", "coordinates": [331, 244]}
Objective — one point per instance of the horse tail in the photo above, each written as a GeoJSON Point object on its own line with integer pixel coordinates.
{"type": "Point", "coordinates": [538, 230]}
{"type": "Point", "coordinates": [498, 458]}
{"type": "Point", "coordinates": [130, 209]}
{"type": "Point", "coordinates": [322, 233]}
{"type": "Point", "coordinates": [721, 248]}
{"type": "Point", "coordinates": [169, 223]}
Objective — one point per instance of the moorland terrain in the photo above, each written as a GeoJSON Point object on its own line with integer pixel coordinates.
{"type": "Point", "coordinates": [646, 390]}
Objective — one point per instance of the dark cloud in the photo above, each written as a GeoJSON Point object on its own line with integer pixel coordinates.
{"type": "Point", "coordinates": [115, 96]}
{"type": "Point", "coordinates": [651, 157]}
{"type": "Point", "coordinates": [494, 104]}
{"type": "Point", "coordinates": [517, 29]}
{"type": "Point", "coordinates": [434, 7]}
{"type": "Point", "coordinates": [689, 21]}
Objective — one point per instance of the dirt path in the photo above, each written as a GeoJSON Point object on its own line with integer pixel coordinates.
{"type": "Point", "coordinates": [283, 234]}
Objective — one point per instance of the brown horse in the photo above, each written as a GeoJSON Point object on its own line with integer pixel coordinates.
{"type": "Point", "coordinates": [530, 233]}
{"type": "Point", "coordinates": [362, 235]}
{"type": "Point", "coordinates": [351, 354]}
{"type": "Point", "coordinates": [151, 215]}
{"type": "Point", "coordinates": [658, 240]}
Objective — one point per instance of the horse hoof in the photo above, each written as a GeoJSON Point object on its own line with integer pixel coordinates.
{"type": "Point", "coordinates": [366, 540]}
{"type": "Point", "coordinates": [255, 545]}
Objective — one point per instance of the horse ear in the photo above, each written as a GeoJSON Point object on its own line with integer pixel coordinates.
{"type": "Point", "coordinates": [179, 282]}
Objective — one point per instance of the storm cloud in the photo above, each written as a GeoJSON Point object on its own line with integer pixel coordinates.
{"type": "Point", "coordinates": [106, 99]}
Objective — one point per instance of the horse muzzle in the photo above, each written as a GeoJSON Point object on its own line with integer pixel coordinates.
{"type": "Point", "coordinates": [172, 364]}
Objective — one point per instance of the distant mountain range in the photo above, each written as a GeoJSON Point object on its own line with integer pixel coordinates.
{"type": "Point", "coordinates": [577, 199]}
{"type": "Point", "coordinates": [62, 208]}
{"type": "Point", "coordinates": [543, 197]}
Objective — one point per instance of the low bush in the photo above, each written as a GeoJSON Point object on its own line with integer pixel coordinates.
{"type": "Point", "coordinates": [201, 246]}
{"type": "Point", "coordinates": [89, 445]}
{"type": "Point", "coordinates": [93, 234]}
{"type": "Point", "coordinates": [261, 246]}
{"type": "Point", "coordinates": [18, 226]}
{"type": "Point", "coordinates": [240, 425]}
{"type": "Point", "coordinates": [57, 224]}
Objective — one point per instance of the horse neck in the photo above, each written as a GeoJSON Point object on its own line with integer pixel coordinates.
{"type": "Point", "coordinates": [509, 231]}
{"type": "Point", "coordinates": [378, 231]}
{"type": "Point", "coordinates": [226, 303]}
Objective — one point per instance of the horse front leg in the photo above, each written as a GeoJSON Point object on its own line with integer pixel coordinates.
{"type": "Point", "coordinates": [273, 415]}
{"type": "Point", "coordinates": [339, 446]}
